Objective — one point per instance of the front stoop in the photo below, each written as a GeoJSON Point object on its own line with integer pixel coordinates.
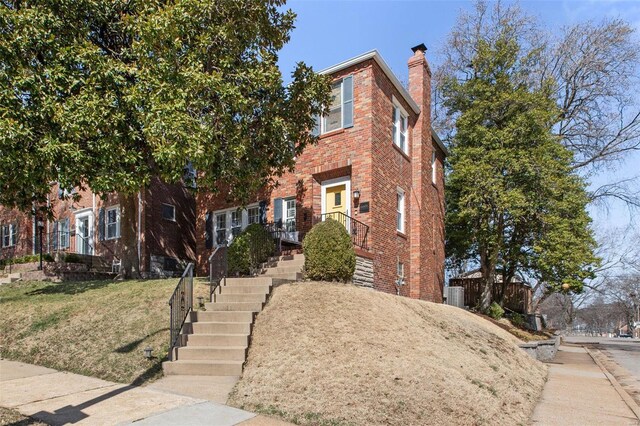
{"type": "Point", "coordinates": [217, 339]}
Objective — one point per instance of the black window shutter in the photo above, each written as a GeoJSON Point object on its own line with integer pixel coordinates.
{"type": "Point", "coordinates": [101, 220]}
{"type": "Point", "coordinates": [263, 212]}
{"type": "Point", "coordinates": [208, 229]}
{"type": "Point", "coordinates": [277, 212]}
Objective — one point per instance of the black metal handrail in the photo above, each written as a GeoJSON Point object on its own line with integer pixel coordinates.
{"type": "Point", "coordinates": [180, 303]}
{"type": "Point", "coordinates": [218, 269]}
{"type": "Point", "coordinates": [358, 230]}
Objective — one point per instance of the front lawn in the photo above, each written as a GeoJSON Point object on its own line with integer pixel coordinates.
{"type": "Point", "coordinates": [95, 328]}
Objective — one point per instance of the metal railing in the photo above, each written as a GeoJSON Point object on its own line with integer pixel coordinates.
{"type": "Point", "coordinates": [180, 303]}
{"type": "Point", "coordinates": [359, 231]}
{"type": "Point", "coordinates": [218, 269]}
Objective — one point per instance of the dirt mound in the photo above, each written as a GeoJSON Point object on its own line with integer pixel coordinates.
{"type": "Point", "coordinates": [339, 354]}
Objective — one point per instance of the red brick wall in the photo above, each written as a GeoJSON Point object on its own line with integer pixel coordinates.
{"type": "Point", "coordinates": [377, 168]}
{"type": "Point", "coordinates": [163, 237]}
{"type": "Point", "coordinates": [159, 236]}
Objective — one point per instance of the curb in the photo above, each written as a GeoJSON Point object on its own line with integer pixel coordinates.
{"type": "Point", "coordinates": [623, 393]}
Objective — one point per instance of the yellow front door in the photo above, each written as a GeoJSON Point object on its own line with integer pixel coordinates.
{"type": "Point", "coordinates": [336, 202]}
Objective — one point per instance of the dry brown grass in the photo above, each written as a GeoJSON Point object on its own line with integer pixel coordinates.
{"type": "Point", "coordinates": [10, 417]}
{"type": "Point", "coordinates": [330, 354]}
{"type": "Point", "coordinates": [95, 328]}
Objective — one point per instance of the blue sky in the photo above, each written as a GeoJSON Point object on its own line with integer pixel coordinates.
{"type": "Point", "coordinates": [330, 31]}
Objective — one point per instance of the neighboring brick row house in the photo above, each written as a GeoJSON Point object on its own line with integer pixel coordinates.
{"type": "Point", "coordinates": [91, 227]}
{"type": "Point", "coordinates": [378, 164]}
{"type": "Point", "coordinates": [377, 167]}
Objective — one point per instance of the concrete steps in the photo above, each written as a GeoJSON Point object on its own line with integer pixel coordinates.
{"type": "Point", "coordinates": [201, 367]}
{"type": "Point", "coordinates": [217, 339]}
{"type": "Point", "coordinates": [10, 278]}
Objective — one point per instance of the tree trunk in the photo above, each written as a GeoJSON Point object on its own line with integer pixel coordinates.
{"type": "Point", "coordinates": [130, 267]}
{"type": "Point", "coordinates": [487, 268]}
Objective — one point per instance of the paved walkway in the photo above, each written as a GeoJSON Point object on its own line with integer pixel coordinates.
{"type": "Point", "coordinates": [59, 398]}
{"type": "Point", "coordinates": [579, 392]}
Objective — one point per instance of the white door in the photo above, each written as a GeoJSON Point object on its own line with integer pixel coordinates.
{"type": "Point", "coordinates": [84, 234]}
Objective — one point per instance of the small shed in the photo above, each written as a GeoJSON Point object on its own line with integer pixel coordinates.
{"type": "Point", "coordinates": [517, 298]}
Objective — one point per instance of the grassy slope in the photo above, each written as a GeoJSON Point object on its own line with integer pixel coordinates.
{"type": "Point", "coordinates": [337, 354]}
{"type": "Point", "coordinates": [96, 328]}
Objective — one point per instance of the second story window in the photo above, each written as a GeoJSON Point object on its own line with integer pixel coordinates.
{"type": "Point", "coordinates": [400, 211]}
{"type": "Point", "coordinates": [340, 114]}
{"type": "Point", "coordinates": [169, 212]}
{"type": "Point", "coordinates": [400, 126]}
{"type": "Point", "coordinates": [434, 170]}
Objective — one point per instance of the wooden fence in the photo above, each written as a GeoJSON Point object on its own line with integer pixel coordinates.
{"type": "Point", "coordinates": [517, 295]}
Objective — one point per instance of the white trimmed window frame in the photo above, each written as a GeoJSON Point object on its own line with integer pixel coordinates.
{"type": "Point", "coordinates": [323, 119]}
{"type": "Point", "coordinates": [434, 168]}
{"type": "Point", "coordinates": [108, 235]}
{"type": "Point", "coordinates": [229, 223]}
{"type": "Point", "coordinates": [400, 133]}
{"type": "Point", "coordinates": [9, 235]}
{"type": "Point", "coordinates": [400, 210]}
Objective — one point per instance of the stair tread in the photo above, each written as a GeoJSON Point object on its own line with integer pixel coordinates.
{"type": "Point", "coordinates": [208, 361]}
{"type": "Point", "coordinates": [221, 322]}
{"type": "Point", "coordinates": [219, 334]}
{"type": "Point", "coordinates": [216, 347]}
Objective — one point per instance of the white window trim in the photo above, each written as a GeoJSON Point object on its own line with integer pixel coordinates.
{"type": "Point", "coordinates": [434, 168]}
{"type": "Point", "coordinates": [106, 222]}
{"type": "Point", "coordinates": [403, 116]}
{"type": "Point", "coordinates": [228, 230]}
{"type": "Point", "coordinates": [401, 209]}
{"type": "Point", "coordinates": [81, 214]}
{"type": "Point", "coordinates": [323, 126]}
{"type": "Point", "coordinates": [172, 219]}
{"type": "Point", "coordinates": [12, 234]}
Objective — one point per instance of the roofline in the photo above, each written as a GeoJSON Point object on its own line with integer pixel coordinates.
{"type": "Point", "coordinates": [439, 142]}
{"type": "Point", "coordinates": [375, 55]}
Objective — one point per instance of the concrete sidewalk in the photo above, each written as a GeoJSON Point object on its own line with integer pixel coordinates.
{"type": "Point", "coordinates": [59, 398]}
{"type": "Point", "coordinates": [578, 392]}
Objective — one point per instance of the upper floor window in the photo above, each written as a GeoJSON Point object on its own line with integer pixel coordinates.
{"type": "Point", "coordinates": [340, 114]}
{"type": "Point", "coordinates": [169, 212]}
{"type": "Point", "coordinates": [9, 235]}
{"type": "Point", "coordinates": [400, 126]}
{"type": "Point", "coordinates": [434, 170]}
{"type": "Point", "coordinates": [400, 211]}
{"type": "Point", "coordinates": [112, 222]}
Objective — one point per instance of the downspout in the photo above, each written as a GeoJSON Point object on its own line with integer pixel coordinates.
{"type": "Point", "coordinates": [139, 230]}
{"type": "Point", "coordinates": [92, 240]}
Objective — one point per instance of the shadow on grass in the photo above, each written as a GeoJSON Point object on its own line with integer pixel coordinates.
{"type": "Point", "coordinates": [129, 347]}
{"type": "Point", "coordinates": [71, 287]}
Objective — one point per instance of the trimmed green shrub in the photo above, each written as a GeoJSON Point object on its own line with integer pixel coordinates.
{"type": "Point", "coordinates": [328, 252]}
{"type": "Point", "coordinates": [72, 258]}
{"type": "Point", "coordinates": [46, 257]}
{"type": "Point", "coordinates": [495, 311]}
{"type": "Point", "coordinates": [247, 250]}
{"type": "Point", "coordinates": [517, 319]}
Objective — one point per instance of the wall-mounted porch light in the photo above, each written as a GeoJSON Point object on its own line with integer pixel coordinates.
{"type": "Point", "coordinates": [356, 194]}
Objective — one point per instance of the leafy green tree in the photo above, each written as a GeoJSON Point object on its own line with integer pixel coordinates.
{"type": "Point", "coordinates": [514, 205]}
{"type": "Point", "coordinates": [110, 93]}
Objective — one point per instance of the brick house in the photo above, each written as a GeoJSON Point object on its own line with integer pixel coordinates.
{"type": "Point", "coordinates": [91, 227]}
{"type": "Point", "coordinates": [378, 167]}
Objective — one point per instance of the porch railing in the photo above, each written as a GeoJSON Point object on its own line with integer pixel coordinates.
{"type": "Point", "coordinates": [359, 231]}
{"type": "Point", "coordinates": [180, 304]}
{"type": "Point", "coordinates": [218, 269]}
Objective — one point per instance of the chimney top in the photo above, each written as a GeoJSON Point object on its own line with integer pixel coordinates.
{"type": "Point", "coordinates": [421, 48]}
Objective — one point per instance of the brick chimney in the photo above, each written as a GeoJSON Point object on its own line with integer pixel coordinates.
{"type": "Point", "coordinates": [420, 80]}
{"type": "Point", "coordinates": [422, 221]}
